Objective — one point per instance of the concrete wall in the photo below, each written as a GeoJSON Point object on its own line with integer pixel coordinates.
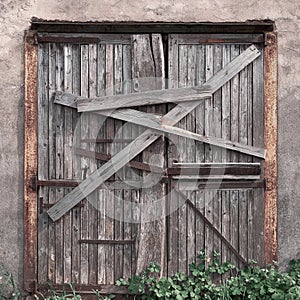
{"type": "Point", "coordinates": [15, 17]}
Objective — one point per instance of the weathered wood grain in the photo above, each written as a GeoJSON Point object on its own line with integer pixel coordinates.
{"type": "Point", "coordinates": [68, 161]}
{"type": "Point", "coordinates": [42, 166]}
{"type": "Point", "coordinates": [148, 61]}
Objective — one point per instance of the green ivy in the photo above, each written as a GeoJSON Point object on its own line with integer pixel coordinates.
{"type": "Point", "coordinates": [250, 283]}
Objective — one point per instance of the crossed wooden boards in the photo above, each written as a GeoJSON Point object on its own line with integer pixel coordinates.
{"type": "Point", "coordinates": [189, 99]}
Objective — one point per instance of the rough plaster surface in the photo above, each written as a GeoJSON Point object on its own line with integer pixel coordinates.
{"type": "Point", "coordinates": [15, 17]}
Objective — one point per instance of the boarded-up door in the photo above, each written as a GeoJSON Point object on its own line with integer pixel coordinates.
{"type": "Point", "coordinates": [179, 195]}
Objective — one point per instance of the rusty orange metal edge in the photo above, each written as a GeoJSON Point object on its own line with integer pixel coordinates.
{"type": "Point", "coordinates": [30, 161]}
{"type": "Point", "coordinates": [270, 141]}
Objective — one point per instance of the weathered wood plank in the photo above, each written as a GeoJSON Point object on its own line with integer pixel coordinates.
{"type": "Point", "coordinates": [142, 98]}
{"type": "Point", "coordinates": [211, 169]}
{"type": "Point", "coordinates": [42, 166]}
{"type": "Point", "coordinates": [127, 217]}
{"type": "Point", "coordinates": [101, 235]}
{"type": "Point", "coordinates": [243, 223]}
{"type": "Point", "coordinates": [190, 154]}
{"type": "Point", "coordinates": [68, 161]}
{"type": "Point", "coordinates": [234, 104]}
{"type": "Point", "coordinates": [110, 148]}
{"type": "Point", "coordinates": [234, 223]}
{"type": "Point", "coordinates": [225, 219]}
{"type": "Point", "coordinates": [85, 162]}
{"type": "Point", "coordinates": [93, 133]}
{"type": "Point", "coordinates": [226, 118]}
{"type": "Point", "coordinates": [209, 124]}
{"type": "Point", "coordinates": [58, 120]}
{"type": "Point", "coordinates": [148, 61]}
{"type": "Point", "coordinates": [101, 82]}
{"type": "Point", "coordinates": [119, 203]}
{"type": "Point", "coordinates": [76, 212]}
{"type": "Point", "coordinates": [173, 198]}
{"type": "Point", "coordinates": [182, 149]}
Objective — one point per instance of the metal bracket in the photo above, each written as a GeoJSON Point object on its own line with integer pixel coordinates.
{"type": "Point", "coordinates": [270, 38]}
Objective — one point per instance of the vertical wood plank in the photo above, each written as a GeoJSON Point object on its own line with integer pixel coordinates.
{"type": "Point", "coordinates": [250, 221]}
{"type": "Point", "coordinates": [200, 148]}
{"type": "Point", "coordinates": [52, 239]}
{"type": "Point", "coordinates": [226, 122]}
{"type": "Point", "coordinates": [76, 212]}
{"type": "Point", "coordinates": [234, 105]}
{"type": "Point", "coordinates": [85, 162]}
{"type": "Point", "coordinates": [182, 149]}
{"type": "Point", "coordinates": [93, 133]}
{"type": "Point", "coordinates": [209, 126]}
{"type": "Point", "coordinates": [43, 141]}
{"type": "Point", "coordinates": [243, 224]}
{"type": "Point", "coordinates": [217, 152]}
{"type": "Point", "coordinates": [209, 129]}
{"type": "Point", "coordinates": [147, 64]}
{"type": "Point", "coordinates": [101, 83]}
{"type": "Point", "coordinates": [190, 157]}
{"type": "Point", "coordinates": [68, 160]}
{"type": "Point", "coordinates": [58, 120]}
{"type": "Point", "coordinates": [173, 198]}
{"type": "Point", "coordinates": [119, 203]}
{"type": "Point", "coordinates": [258, 141]}
{"type": "Point", "coordinates": [127, 262]}
{"type": "Point", "coordinates": [128, 172]}
{"type": "Point", "coordinates": [234, 223]}
{"type": "Point", "coordinates": [52, 161]}
{"type": "Point", "coordinates": [110, 132]}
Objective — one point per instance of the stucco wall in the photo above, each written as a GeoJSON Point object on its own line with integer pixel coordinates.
{"type": "Point", "coordinates": [15, 16]}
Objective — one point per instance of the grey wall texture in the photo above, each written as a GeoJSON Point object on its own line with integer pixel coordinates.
{"type": "Point", "coordinates": [15, 17]}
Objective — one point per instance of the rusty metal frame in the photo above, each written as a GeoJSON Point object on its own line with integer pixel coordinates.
{"type": "Point", "coordinates": [30, 161]}
{"type": "Point", "coordinates": [270, 143]}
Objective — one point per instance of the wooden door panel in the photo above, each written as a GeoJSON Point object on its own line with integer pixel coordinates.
{"type": "Point", "coordinates": [90, 244]}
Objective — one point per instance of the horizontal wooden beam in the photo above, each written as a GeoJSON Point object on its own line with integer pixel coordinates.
{"type": "Point", "coordinates": [106, 242]}
{"type": "Point", "coordinates": [259, 26]}
{"type": "Point", "coordinates": [220, 185]}
{"type": "Point", "coordinates": [143, 98]}
{"type": "Point", "coordinates": [216, 169]}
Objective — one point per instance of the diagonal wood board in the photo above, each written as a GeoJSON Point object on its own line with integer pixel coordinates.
{"type": "Point", "coordinates": [149, 136]}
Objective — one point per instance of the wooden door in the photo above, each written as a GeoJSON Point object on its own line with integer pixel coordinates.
{"type": "Point", "coordinates": [168, 202]}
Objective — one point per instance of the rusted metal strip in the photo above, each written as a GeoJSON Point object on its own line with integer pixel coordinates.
{"type": "Point", "coordinates": [134, 164]}
{"type": "Point", "coordinates": [68, 39]}
{"type": "Point", "coordinates": [107, 242]}
{"type": "Point", "coordinates": [243, 169]}
{"type": "Point", "coordinates": [100, 141]}
{"type": "Point", "coordinates": [232, 185]}
{"type": "Point", "coordinates": [270, 141]}
{"type": "Point", "coordinates": [211, 226]}
{"type": "Point", "coordinates": [57, 183]}
{"type": "Point", "coordinates": [30, 161]}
